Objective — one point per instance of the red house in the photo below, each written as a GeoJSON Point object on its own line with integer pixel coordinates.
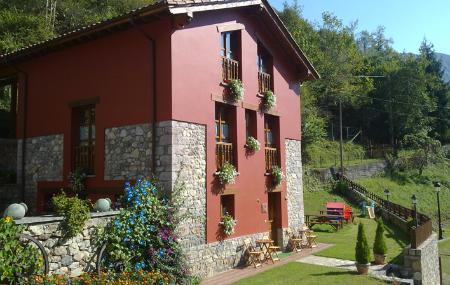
{"type": "Point", "coordinates": [148, 92]}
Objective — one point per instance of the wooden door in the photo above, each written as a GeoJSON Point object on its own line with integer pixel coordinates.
{"type": "Point", "coordinates": [274, 208]}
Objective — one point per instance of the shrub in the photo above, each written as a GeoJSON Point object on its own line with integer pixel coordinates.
{"type": "Point", "coordinates": [77, 181]}
{"type": "Point", "coordinates": [135, 277]}
{"type": "Point", "coordinates": [227, 173]}
{"type": "Point", "coordinates": [236, 90]}
{"type": "Point", "coordinates": [228, 224]}
{"type": "Point", "coordinates": [17, 261]}
{"type": "Point", "coordinates": [74, 211]}
{"type": "Point", "coordinates": [269, 100]}
{"type": "Point", "coordinates": [277, 175]}
{"type": "Point", "coordinates": [362, 250]}
{"type": "Point", "coordinates": [326, 153]}
{"type": "Point", "coordinates": [253, 144]}
{"type": "Point", "coordinates": [142, 236]}
{"type": "Point", "coordinates": [379, 245]}
{"type": "Point", "coordinates": [340, 187]}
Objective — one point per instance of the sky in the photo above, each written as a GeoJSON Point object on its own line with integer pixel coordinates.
{"type": "Point", "coordinates": [407, 22]}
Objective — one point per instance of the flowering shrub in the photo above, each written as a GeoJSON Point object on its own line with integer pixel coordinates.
{"type": "Point", "coordinates": [142, 237]}
{"type": "Point", "coordinates": [269, 100]}
{"type": "Point", "coordinates": [123, 278]}
{"type": "Point", "coordinates": [277, 175]}
{"type": "Point", "coordinates": [253, 144]}
{"type": "Point", "coordinates": [228, 224]}
{"type": "Point", "coordinates": [17, 261]}
{"type": "Point", "coordinates": [227, 173]}
{"type": "Point", "coordinates": [236, 90]}
{"type": "Point", "coordinates": [74, 211]}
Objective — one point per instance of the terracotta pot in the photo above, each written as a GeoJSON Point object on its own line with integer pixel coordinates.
{"type": "Point", "coordinates": [362, 268]}
{"type": "Point", "coordinates": [379, 258]}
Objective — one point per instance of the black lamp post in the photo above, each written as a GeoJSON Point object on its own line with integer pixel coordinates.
{"type": "Point", "coordinates": [437, 185]}
{"type": "Point", "coordinates": [414, 202]}
{"type": "Point", "coordinates": [387, 193]}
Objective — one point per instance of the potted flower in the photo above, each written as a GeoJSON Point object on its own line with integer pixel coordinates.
{"type": "Point", "coordinates": [379, 245]}
{"type": "Point", "coordinates": [362, 251]}
{"type": "Point", "coordinates": [236, 90]}
{"type": "Point", "coordinates": [228, 224]}
{"type": "Point", "coordinates": [227, 173]}
{"type": "Point", "coordinates": [277, 175]}
{"type": "Point", "coordinates": [269, 100]}
{"type": "Point", "coordinates": [253, 144]}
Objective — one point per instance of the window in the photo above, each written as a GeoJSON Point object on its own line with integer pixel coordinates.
{"type": "Point", "coordinates": [230, 54]}
{"type": "Point", "coordinates": [84, 143]}
{"type": "Point", "coordinates": [227, 205]}
{"type": "Point", "coordinates": [271, 135]}
{"type": "Point", "coordinates": [225, 135]}
{"type": "Point", "coordinates": [250, 123]}
{"type": "Point", "coordinates": [264, 63]}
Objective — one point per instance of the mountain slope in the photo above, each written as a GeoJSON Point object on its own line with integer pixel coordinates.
{"type": "Point", "coordinates": [445, 60]}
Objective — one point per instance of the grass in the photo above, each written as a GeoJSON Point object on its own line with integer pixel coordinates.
{"type": "Point", "coordinates": [402, 187]}
{"type": "Point", "coordinates": [301, 273]}
{"type": "Point", "coordinates": [444, 248]}
{"type": "Point", "coordinates": [345, 241]}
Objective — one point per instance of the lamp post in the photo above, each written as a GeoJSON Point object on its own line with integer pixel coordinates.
{"type": "Point", "coordinates": [414, 202]}
{"type": "Point", "coordinates": [387, 193]}
{"type": "Point", "coordinates": [437, 185]}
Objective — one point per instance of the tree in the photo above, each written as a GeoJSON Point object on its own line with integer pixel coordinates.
{"type": "Point", "coordinates": [379, 245]}
{"type": "Point", "coordinates": [362, 250]}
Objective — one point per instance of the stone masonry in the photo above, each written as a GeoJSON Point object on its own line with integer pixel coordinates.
{"type": "Point", "coordinates": [8, 154]}
{"type": "Point", "coordinates": [294, 186]}
{"type": "Point", "coordinates": [423, 262]}
{"type": "Point", "coordinates": [128, 151]}
{"type": "Point", "coordinates": [67, 256]}
{"type": "Point", "coordinates": [181, 167]}
{"type": "Point", "coordinates": [43, 162]}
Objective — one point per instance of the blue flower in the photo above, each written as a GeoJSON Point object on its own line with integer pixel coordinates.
{"type": "Point", "coordinates": [142, 242]}
{"type": "Point", "coordinates": [161, 252]}
{"type": "Point", "coordinates": [139, 265]}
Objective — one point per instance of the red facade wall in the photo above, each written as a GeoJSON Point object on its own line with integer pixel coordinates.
{"type": "Point", "coordinates": [196, 76]}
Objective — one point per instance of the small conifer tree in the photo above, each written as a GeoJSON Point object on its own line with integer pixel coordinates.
{"type": "Point", "coordinates": [379, 245]}
{"type": "Point", "coordinates": [362, 250]}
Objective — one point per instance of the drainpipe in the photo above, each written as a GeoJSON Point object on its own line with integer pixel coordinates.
{"type": "Point", "coordinates": [24, 125]}
{"type": "Point", "coordinates": [153, 46]}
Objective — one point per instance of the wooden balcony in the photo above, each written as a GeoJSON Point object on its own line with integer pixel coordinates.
{"type": "Point", "coordinates": [264, 82]}
{"type": "Point", "coordinates": [230, 69]}
{"type": "Point", "coordinates": [271, 158]}
{"type": "Point", "coordinates": [224, 153]}
{"type": "Point", "coordinates": [83, 158]}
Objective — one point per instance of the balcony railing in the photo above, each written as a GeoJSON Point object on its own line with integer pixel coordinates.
{"type": "Point", "coordinates": [264, 82]}
{"type": "Point", "coordinates": [224, 153]}
{"type": "Point", "coordinates": [230, 69]}
{"type": "Point", "coordinates": [83, 158]}
{"type": "Point", "coordinates": [271, 158]}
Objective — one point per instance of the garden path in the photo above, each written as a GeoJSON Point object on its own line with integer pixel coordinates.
{"type": "Point", "coordinates": [377, 271]}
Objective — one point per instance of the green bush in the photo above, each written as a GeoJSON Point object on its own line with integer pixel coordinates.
{"type": "Point", "coordinates": [269, 100]}
{"type": "Point", "coordinates": [277, 175]}
{"type": "Point", "coordinates": [228, 224]}
{"type": "Point", "coordinates": [15, 258]}
{"type": "Point", "coordinates": [379, 245]}
{"type": "Point", "coordinates": [362, 250]}
{"type": "Point", "coordinates": [326, 153]}
{"type": "Point", "coordinates": [227, 173]}
{"type": "Point", "coordinates": [74, 211]}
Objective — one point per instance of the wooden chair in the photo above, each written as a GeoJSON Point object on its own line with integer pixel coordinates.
{"type": "Point", "coordinates": [272, 251]}
{"type": "Point", "coordinates": [254, 255]}
{"type": "Point", "coordinates": [311, 239]}
{"type": "Point", "coordinates": [296, 241]}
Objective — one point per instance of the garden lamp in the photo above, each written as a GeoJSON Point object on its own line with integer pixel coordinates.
{"type": "Point", "coordinates": [414, 202]}
{"type": "Point", "coordinates": [437, 185]}
{"type": "Point", "coordinates": [387, 193]}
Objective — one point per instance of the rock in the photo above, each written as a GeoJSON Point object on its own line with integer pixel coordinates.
{"type": "Point", "coordinates": [60, 250]}
{"type": "Point", "coordinates": [76, 272]}
{"type": "Point", "coordinates": [36, 230]}
{"type": "Point", "coordinates": [66, 260]}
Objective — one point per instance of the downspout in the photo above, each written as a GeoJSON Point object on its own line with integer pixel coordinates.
{"type": "Point", "coordinates": [24, 126]}
{"type": "Point", "coordinates": [153, 46]}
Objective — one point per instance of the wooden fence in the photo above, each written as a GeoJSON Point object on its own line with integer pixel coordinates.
{"type": "Point", "coordinates": [417, 234]}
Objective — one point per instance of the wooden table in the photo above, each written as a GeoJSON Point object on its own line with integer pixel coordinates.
{"type": "Point", "coordinates": [310, 237]}
{"type": "Point", "coordinates": [266, 246]}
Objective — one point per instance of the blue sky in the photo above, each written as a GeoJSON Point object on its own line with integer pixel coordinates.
{"type": "Point", "coordinates": [407, 22]}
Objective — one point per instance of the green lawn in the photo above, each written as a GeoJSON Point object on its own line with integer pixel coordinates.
{"type": "Point", "coordinates": [403, 187]}
{"type": "Point", "coordinates": [301, 273]}
{"type": "Point", "coordinates": [444, 248]}
{"type": "Point", "coordinates": [345, 241]}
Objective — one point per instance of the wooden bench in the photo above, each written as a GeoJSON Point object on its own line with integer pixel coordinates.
{"type": "Point", "coordinates": [336, 221]}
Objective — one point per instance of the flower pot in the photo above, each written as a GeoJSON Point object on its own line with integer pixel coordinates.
{"type": "Point", "coordinates": [362, 268]}
{"type": "Point", "coordinates": [16, 211]}
{"type": "Point", "coordinates": [379, 258]}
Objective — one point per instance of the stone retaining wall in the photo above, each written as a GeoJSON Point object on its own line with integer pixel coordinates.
{"type": "Point", "coordinates": [128, 152]}
{"type": "Point", "coordinates": [67, 256]}
{"type": "Point", "coordinates": [8, 155]}
{"type": "Point", "coordinates": [423, 262]}
{"type": "Point", "coordinates": [351, 171]}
